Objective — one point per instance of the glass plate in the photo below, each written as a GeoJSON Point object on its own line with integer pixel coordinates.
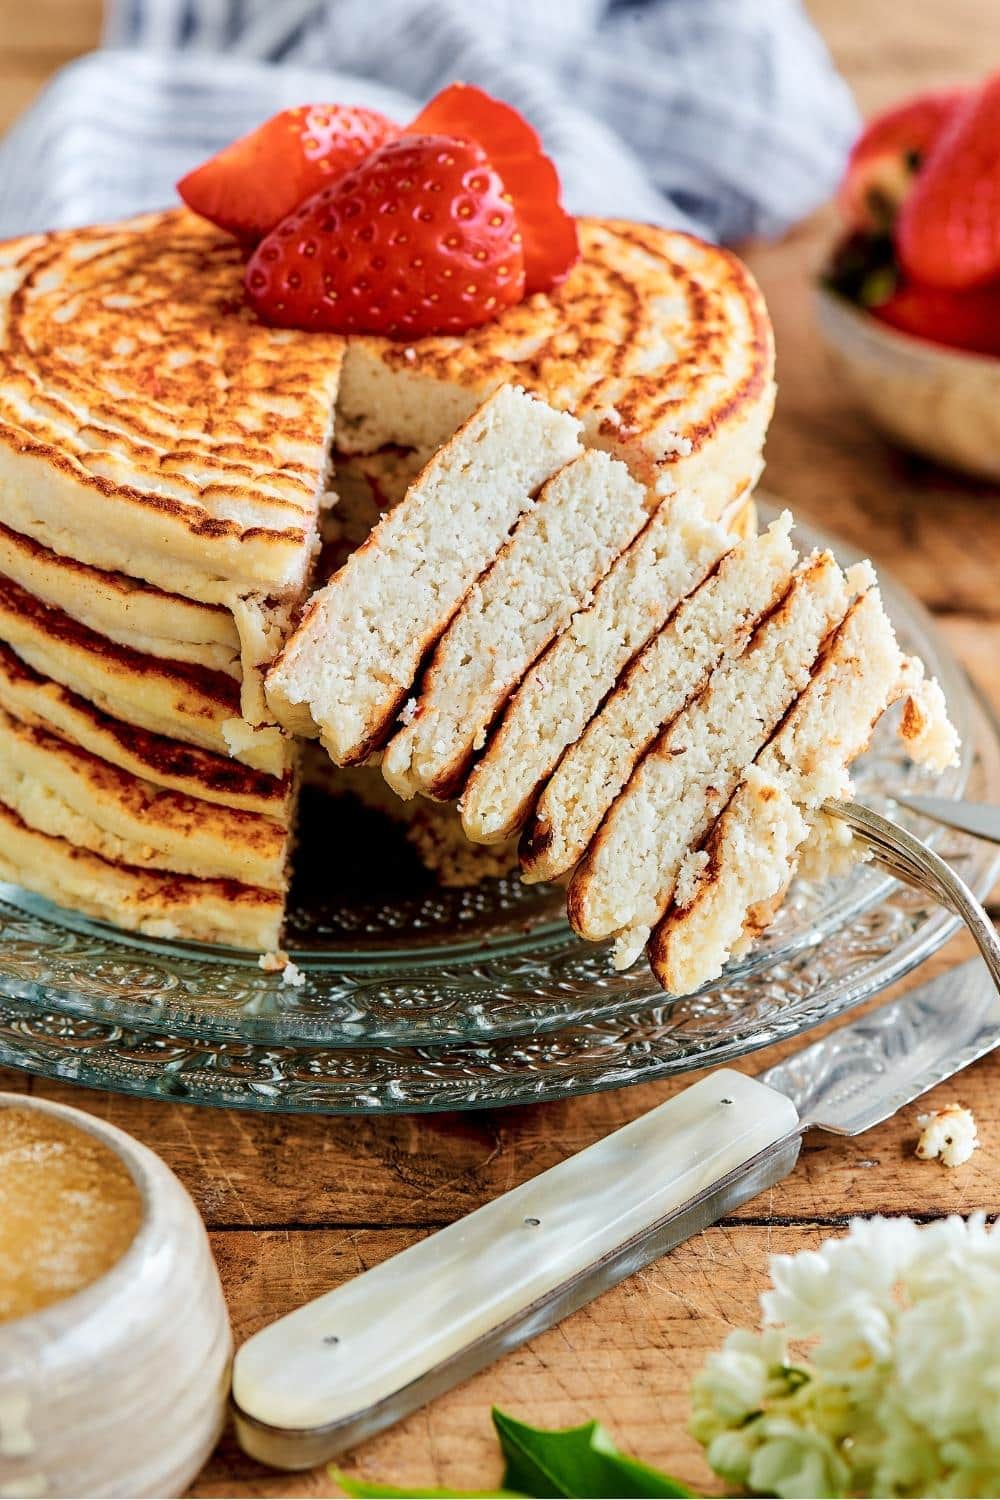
{"type": "Point", "coordinates": [418, 1000]}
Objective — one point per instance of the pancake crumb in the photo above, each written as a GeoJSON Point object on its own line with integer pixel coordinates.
{"type": "Point", "coordinates": [948, 1135]}
{"type": "Point", "coordinates": [274, 962]}
{"type": "Point", "coordinates": [278, 962]}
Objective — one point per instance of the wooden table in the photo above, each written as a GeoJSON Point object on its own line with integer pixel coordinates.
{"type": "Point", "coordinates": [295, 1205]}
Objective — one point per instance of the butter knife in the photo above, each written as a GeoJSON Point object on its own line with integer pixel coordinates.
{"type": "Point", "coordinates": [981, 819]}
{"type": "Point", "coordinates": [363, 1356]}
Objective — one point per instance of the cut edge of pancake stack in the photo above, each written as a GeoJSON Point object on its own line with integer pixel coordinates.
{"type": "Point", "coordinates": [659, 707]}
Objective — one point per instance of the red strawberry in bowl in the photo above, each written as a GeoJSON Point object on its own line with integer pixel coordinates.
{"type": "Point", "coordinates": [960, 320]}
{"type": "Point", "coordinates": [420, 238]}
{"type": "Point", "coordinates": [949, 227]}
{"type": "Point", "coordinates": [910, 302]}
{"type": "Point", "coordinates": [252, 185]}
{"type": "Point", "coordinates": [887, 156]}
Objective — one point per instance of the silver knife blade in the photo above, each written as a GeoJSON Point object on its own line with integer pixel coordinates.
{"type": "Point", "coordinates": [977, 818]}
{"type": "Point", "coordinates": [864, 1072]}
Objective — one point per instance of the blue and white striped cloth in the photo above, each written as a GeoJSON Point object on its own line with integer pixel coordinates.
{"type": "Point", "coordinates": [725, 116]}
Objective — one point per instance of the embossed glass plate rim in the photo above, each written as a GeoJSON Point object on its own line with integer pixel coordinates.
{"type": "Point", "coordinates": [270, 1018]}
{"type": "Point", "coordinates": [498, 1085]}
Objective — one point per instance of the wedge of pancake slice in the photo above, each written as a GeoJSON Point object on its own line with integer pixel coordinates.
{"type": "Point", "coordinates": [752, 851]}
{"type": "Point", "coordinates": [625, 882]}
{"type": "Point", "coordinates": [583, 519]}
{"type": "Point", "coordinates": [58, 788]}
{"type": "Point", "coordinates": [147, 901]}
{"type": "Point", "coordinates": [565, 687]}
{"type": "Point", "coordinates": [347, 669]}
{"type": "Point", "coordinates": [749, 858]}
{"type": "Point", "coordinates": [711, 625]}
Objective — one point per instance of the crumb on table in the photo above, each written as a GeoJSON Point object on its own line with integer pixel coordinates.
{"type": "Point", "coordinates": [948, 1135]}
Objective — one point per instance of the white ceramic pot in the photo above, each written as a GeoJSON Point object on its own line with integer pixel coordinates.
{"type": "Point", "coordinates": [941, 402]}
{"type": "Point", "coordinates": [122, 1388]}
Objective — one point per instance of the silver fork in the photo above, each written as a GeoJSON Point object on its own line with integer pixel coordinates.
{"type": "Point", "coordinates": [908, 859]}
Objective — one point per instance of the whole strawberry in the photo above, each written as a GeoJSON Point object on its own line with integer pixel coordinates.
{"type": "Point", "coordinates": [252, 185]}
{"type": "Point", "coordinates": [887, 156]}
{"type": "Point", "coordinates": [420, 238]}
{"type": "Point", "coordinates": [948, 231]}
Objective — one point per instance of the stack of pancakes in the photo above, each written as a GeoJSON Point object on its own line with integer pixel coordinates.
{"type": "Point", "coordinates": [509, 522]}
{"type": "Point", "coordinates": [162, 462]}
{"type": "Point", "coordinates": [166, 469]}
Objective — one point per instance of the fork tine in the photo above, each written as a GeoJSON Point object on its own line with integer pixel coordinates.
{"type": "Point", "coordinates": [914, 878]}
{"type": "Point", "coordinates": [892, 859]}
{"type": "Point", "coordinates": [912, 860]}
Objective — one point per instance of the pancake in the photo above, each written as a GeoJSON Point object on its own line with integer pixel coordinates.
{"type": "Point", "coordinates": [149, 424]}
{"type": "Point", "coordinates": [348, 667]}
{"type": "Point", "coordinates": [146, 901]}
{"type": "Point", "coordinates": [658, 343]}
{"type": "Point", "coordinates": [925, 728]}
{"type": "Point", "coordinates": [584, 517]}
{"type": "Point", "coordinates": [58, 788]}
{"type": "Point", "coordinates": [262, 626]}
{"type": "Point", "coordinates": [124, 609]}
{"type": "Point", "coordinates": [712, 625]}
{"type": "Point", "coordinates": [39, 701]}
{"type": "Point", "coordinates": [625, 882]}
{"type": "Point", "coordinates": [174, 699]}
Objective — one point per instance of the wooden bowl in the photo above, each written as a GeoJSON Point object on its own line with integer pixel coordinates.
{"type": "Point", "coordinates": [943, 403]}
{"type": "Point", "coordinates": [120, 1389]}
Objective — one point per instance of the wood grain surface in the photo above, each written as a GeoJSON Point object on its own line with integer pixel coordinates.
{"type": "Point", "coordinates": [295, 1205]}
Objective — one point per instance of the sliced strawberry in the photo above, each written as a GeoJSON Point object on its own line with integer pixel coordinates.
{"type": "Point", "coordinates": [887, 156]}
{"type": "Point", "coordinates": [948, 233]}
{"type": "Point", "coordinates": [420, 238]}
{"type": "Point", "coordinates": [514, 149]}
{"type": "Point", "coordinates": [257, 181]}
{"type": "Point", "coordinates": [963, 320]}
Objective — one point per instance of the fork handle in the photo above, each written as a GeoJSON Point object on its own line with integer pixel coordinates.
{"type": "Point", "coordinates": [977, 920]}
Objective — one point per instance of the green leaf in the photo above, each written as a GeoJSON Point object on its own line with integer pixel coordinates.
{"type": "Point", "coordinates": [352, 1486]}
{"type": "Point", "coordinates": [581, 1462]}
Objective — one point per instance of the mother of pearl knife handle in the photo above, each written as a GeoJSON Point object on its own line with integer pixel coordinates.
{"type": "Point", "coordinates": [372, 1351]}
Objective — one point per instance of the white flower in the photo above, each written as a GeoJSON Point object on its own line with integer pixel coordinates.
{"type": "Point", "coordinates": [899, 1389]}
{"type": "Point", "coordinates": [736, 1379]}
{"type": "Point", "coordinates": [794, 1460]}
